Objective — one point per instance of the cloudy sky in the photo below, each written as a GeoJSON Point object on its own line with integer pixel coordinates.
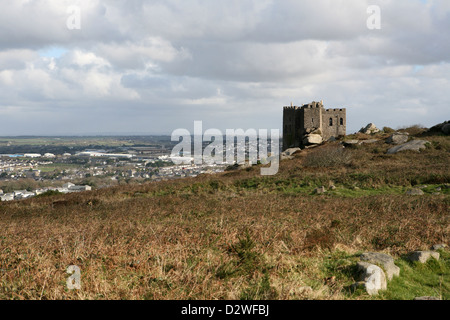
{"type": "Point", "coordinates": [149, 67]}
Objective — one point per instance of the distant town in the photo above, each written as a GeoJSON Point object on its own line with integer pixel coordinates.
{"type": "Point", "coordinates": [32, 166]}
{"type": "Point", "coordinates": [29, 174]}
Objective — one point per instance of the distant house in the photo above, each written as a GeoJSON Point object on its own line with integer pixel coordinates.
{"type": "Point", "coordinates": [25, 195]}
{"type": "Point", "coordinates": [68, 185]}
{"type": "Point", "coordinates": [32, 155]}
{"type": "Point", "coordinates": [7, 197]}
{"type": "Point", "coordinates": [33, 174]}
{"type": "Point", "coordinates": [40, 191]}
{"type": "Point", "coordinates": [80, 188]}
{"type": "Point", "coordinates": [18, 193]}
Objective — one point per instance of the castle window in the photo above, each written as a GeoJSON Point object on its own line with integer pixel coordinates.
{"type": "Point", "coordinates": [342, 121]}
{"type": "Point", "coordinates": [312, 120]}
{"type": "Point", "coordinates": [331, 122]}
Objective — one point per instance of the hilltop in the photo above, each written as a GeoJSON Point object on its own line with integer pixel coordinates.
{"type": "Point", "coordinates": [239, 235]}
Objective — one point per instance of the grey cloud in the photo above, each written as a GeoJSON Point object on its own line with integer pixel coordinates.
{"type": "Point", "coordinates": [152, 66]}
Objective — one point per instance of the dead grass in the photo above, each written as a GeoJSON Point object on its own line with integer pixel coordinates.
{"type": "Point", "coordinates": [231, 236]}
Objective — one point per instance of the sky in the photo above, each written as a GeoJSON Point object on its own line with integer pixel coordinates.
{"type": "Point", "coordinates": [83, 67]}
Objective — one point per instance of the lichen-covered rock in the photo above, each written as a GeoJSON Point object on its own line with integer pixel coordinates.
{"type": "Point", "coordinates": [320, 190]}
{"type": "Point", "coordinates": [291, 151]}
{"type": "Point", "coordinates": [415, 145]}
{"type": "Point", "coordinates": [398, 138]}
{"type": "Point", "coordinates": [312, 139]}
{"type": "Point", "coordinates": [372, 276]}
{"type": "Point", "coordinates": [384, 260]}
{"type": "Point", "coordinates": [368, 141]}
{"type": "Point", "coordinates": [369, 129]}
{"type": "Point", "coordinates": [288, 153]}
{"type": "Point", "coordinates": [423, 256]}
{"type": "Point", "coordinates": [439, 246]}
{"type": "Point", "coordinates": [415, 192]}
{"type": "Point", "coordinates": [350, 142]}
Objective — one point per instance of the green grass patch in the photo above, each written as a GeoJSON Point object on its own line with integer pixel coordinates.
{"type": "Point", "coordinates": [259, 290]}
{"type": "Point", "coordinates": [416, 279]}
{"type": "Point", "coordinates": [58, 166]}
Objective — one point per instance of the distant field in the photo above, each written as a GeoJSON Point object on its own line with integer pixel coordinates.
{"type": "Point", "coordinates": [60, 145]}
{"type": "Point", "coordinates": [65, 141]}
{"type": "Point", "coordinates": [58, 166]}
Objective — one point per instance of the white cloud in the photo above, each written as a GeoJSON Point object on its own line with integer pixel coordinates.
{"type": "Point", "coordinates": [138, 55]}
{"type": "Point", "coordinates": [162, 64]}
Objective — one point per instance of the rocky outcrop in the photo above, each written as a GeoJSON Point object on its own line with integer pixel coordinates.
{"type": "Point", "coordinates": [376, 269]}
{"type": "Point", "coordinates": [368, 141]}
{"type": "Point", "coordinates": [373, 278]}
{"type": "Point", "coordinates": [312, 139]}
{"type": "Point", "coordinates": [446, 128]}
{"type": "Point", "coordinates": [350, 142]}
{"type": "Point", "coordinates": [415, 192]}
{"type": "Point", "coordinates": [439, 246]}
{"type": "Point", "coordinates": [289, 153]}
{"type": "Point", "coordinates": [415, 145]}
{"type": "Point", "coordinates": [369, 129]}
{"type": "Point", "coordinates": [423, 256]}
{"type": "Point", "coordinates": [383, 260]}
{"type": "Point", "coordinates": [398, 138]}
{"type": "Point", "coordinates": [443, 127]}
{"type": "Point", "coordinates": [320, 190]}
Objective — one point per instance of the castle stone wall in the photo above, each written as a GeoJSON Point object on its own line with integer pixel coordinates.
{"type": "Point", "coordinates": [299, 121]}
{"type": "Point", "coordinates": [289, 126]}
{"type": "Point", "coordinates": [337, 119]}
{"type": "Point", "coordinates": [312, 118]}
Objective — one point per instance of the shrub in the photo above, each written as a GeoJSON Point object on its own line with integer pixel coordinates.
{"type": "Point", "coordinates": [329, 156]}
{"type": "Point", "coordinates": [48, 193]}
{"type": "Point", "coordinates": [320, 238]}
{"type": "Point", "coordinates": [413, 130]}
{"type": "Point", "coordinates": [260, 290]}
{"type": "Point", "coordinates": [388, 130]}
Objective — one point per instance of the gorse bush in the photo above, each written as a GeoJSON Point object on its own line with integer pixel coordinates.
{"type": "Point", "coordinates": [414, 129]}
{"type": "Point", "coordinates": [329, 156]}
{"type": "Point", "coordinates": [388, 130]}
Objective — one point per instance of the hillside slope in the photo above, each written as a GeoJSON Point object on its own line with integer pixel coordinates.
{"type": "Point", "coordinates": [235, 235]}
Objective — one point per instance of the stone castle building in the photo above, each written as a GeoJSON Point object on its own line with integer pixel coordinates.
{"type": "Point", "coordinates": [306, 124]}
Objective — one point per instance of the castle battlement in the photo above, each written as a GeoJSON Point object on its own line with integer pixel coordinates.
{"type": "Point", "coordinates": [334, 110]}
{"type": "Point", "coordinates": [300, 121]}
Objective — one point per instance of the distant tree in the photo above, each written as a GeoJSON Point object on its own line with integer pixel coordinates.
{"type": "Point", "coordinates": [49, 193]}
